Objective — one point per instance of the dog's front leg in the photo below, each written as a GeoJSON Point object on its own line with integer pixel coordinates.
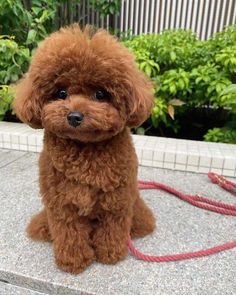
{"type": "Point", "coordinates": [72, 245]}
{"type": "Point", "coordinates": [110, 238]}
{"type": "Point", "coordinates": [111, 235]}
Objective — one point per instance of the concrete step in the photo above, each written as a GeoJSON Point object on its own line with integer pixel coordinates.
{"type": "Point", "coordinates": [8, 289]}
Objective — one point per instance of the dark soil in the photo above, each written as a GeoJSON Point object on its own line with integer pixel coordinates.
{"type": "Point", "coordinates": [194, 123]}
{"type": "Point", "coordinates": [9, 117]}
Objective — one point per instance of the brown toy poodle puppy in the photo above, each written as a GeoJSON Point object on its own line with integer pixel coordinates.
{"type": "Point", "coordinates": [84, 89]}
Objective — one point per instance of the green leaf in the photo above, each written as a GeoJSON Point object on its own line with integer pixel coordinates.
{"type": "Point", "coordinates": [173, 56]}
{"type": "Point", "coordinates": [181, 84]}
{"type": "Point", "coordinates": [198, 80]}
{"type": "Point", "coordinates": [36, 10]}
{"type": "Point", "coordinates": [154, 120]}
{"type": "Point", "coordinates": [142, 65]}
{"type": "Point", "coordinates": [148, 70]}
{"type": "Point", "coordinates": [228, 90]}
{"type": "Point", "coordinates": [31, 36]}
{"type": "Point", "coordinates": [173, 89]}
{"type": "Point", "coordinates": [218, 88]}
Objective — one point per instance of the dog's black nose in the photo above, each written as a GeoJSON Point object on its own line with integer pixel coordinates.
{"type": "Point", "coordinates": [75, 118]}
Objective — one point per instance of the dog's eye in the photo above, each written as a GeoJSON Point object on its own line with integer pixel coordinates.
{"type": "Point", "coordinates": [62, 94]}
{"type": "Point", "coordinates": [101, 95]}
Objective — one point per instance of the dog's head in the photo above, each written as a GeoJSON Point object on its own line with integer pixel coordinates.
{"type": "Point", "coordinates": [84, 86]}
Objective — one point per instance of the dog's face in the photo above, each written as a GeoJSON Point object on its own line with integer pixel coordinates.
{"type": "Point", "coordinates": [84, 87]}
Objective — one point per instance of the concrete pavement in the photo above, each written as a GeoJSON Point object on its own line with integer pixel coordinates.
{"type": "Point", "coordinates": [180, 228]}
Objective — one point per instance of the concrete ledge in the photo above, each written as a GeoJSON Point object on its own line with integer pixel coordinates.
{"type": "Point", "coordinates": [169, 153]}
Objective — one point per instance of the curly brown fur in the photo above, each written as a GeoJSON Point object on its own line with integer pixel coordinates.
{"type": "Point", "coordinates": [88, 173]}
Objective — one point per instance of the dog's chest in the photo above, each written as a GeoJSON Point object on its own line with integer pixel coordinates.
{"type": "Point", "coordinates": [103, 167]}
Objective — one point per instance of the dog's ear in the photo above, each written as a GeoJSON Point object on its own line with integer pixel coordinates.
{"type": "Point", "coordinates": [141, 100]}
{"type": "Point", "coordinates": [26, 104]}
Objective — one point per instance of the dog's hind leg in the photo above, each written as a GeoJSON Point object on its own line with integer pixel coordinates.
{"type": "Point", "coordinates": [143, 222]}
{"type": "Point", "coordinates": [38, 228]}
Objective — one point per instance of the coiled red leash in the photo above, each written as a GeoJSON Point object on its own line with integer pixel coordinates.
{"type": "Point", "coordinates": [201, 202]}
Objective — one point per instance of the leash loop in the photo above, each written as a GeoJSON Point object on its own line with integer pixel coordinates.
{"type": "Point", "coordinates": [197, 201]}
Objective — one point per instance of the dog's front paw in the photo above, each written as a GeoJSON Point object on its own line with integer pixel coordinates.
{"type": "Point", "coordinates": [38, 228]}
{"type": "Point", "coordinates": [109, 250]}
{"type": "Point", "coordinates": [74, 260]}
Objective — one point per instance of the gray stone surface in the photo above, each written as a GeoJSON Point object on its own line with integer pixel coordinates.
{"type": "Point", "coordinates": [8, 289]}
{"type": "Point", "coordinates": [180, 228]}
{"type": "Point", "coordinates": [7, 157]}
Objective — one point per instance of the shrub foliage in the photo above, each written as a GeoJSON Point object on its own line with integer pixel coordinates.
{"type": "Point", "coordinates": [187, 73]}
{"type": "Point", "coordinates": [23, 24]}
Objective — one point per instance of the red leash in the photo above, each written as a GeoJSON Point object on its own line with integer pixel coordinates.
{"type": "Point", "coordinates": [197, 201]}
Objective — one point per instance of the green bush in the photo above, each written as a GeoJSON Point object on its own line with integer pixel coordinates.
{"type": "Point", "coordinates": [6, 97]}
{"type": "Point", "coordinates": [28, 21]}
{"type": "Point", "coordinates": [14, 60]}
{"type": "Point", "coordinates": [226, 58]}
{"type": "Point", "coordinates": [23, 24]}
{"type": "Point", "coordinates": [221, 135]}
{"type": "Point", "coordinates": [188, 73]}
{"type": "Point", "coordinates": [106, 7]}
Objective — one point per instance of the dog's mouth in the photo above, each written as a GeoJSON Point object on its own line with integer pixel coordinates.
{"type": "Point", "coordinates": [80, 133]}
{"type": "Point", "coordinates": [85, 128]}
